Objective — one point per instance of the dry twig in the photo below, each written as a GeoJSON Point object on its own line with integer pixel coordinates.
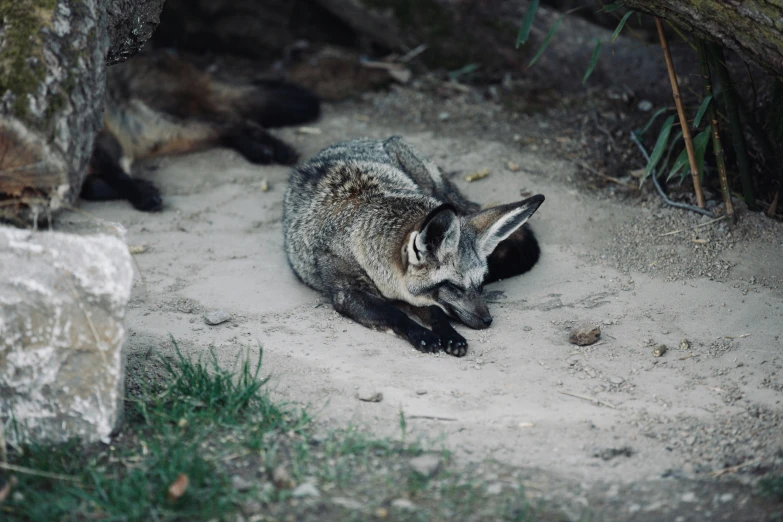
{"type": "Point", "coordinates": [700, 225]}
{"type": "Point", "coordinates": [36, 473]}
{"type": "Point", "coordinates": [686, 132]}
{"type": "Point", "coordinates": [598, 402]}
{"type": "Point", "coordinates": [431, 417]}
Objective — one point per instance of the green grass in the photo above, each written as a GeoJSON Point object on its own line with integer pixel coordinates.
{"type": "Point", "coordinates": [212, 424]}
{"type": "Point", "coordinates": [773, 486]}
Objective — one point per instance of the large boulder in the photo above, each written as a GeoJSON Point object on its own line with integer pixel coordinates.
{"type": "Point", "coordinates": [63, 299]}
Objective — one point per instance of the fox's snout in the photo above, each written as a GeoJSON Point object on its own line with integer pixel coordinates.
{"type": "Point", "coordinates": [475, 315]}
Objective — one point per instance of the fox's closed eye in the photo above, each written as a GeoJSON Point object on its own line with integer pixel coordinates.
{"type": "Point", "coordinates": [453, 288]}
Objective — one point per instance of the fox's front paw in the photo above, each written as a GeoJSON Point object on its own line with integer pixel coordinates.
{"type": "Point", "coordinates": [146, 196]}
{"type": "Point", "coordinates": [454, 344]}
{"type": "Point", "coordinates": [425, 341]}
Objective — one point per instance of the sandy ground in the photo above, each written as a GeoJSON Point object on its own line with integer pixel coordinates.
{"type": "Point", "coordinates": [522, 394]}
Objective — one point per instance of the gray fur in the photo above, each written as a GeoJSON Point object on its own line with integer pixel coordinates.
{"type": "Point", "coordinates": [361, 225]}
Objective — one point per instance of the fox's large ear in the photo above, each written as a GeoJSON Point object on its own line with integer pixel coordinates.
{"type": "Point", "coordinates": [435, 236]}
{"type": "Point", "coordinates": [495, 224]}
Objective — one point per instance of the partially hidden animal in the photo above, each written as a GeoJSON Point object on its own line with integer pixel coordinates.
{"type": "Point", "coordinates": [383, 233]}
{"type": "Point", "coordinates": [160, 104]}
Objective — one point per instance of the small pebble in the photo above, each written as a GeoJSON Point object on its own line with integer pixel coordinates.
{"type": "Point", "coordinates": [688, 497]}
{"type": "Point", "coordinates": [306, 490]}
{"type": "Point", "coordinates": [495, 489]}
{"type": "Point", "coordinates": [645, 106]}
{"type": "Point", "coordinates": [216, 317]}
{"type": "Point", "coordinates": [421, 392]}
{"type": "Point", "coordinates": [425, 465]}
{"type": "Point", "coordinates": [403, 503]}
{"type": "Point", "coordinates": [240, 484]}
{"type": "Point", "coordinates": [369, 396]}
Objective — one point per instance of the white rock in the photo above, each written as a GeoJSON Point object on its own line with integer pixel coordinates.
{"type": "Point", "coordinates": [63, 299]}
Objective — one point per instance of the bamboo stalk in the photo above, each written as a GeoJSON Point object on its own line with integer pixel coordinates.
{"type": "Point", "coordinates": [717, 146]}
{"type": "Point", "coordinates": [686, 133]}
{"type": "Point", "coordinates": [735, 125]}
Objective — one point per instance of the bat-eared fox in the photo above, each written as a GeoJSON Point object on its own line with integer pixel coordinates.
{"type": "Point", "coordinates": [159, 104]}
{"type": "Point", "coordinates": [378, 229]}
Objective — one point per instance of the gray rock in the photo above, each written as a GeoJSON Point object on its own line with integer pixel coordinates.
{"type": "Point", "coordinates": [616, 380]}
{"type": "Point", "coordinates": [215, 317]}
{"type": "Point", "coordinates": [426, 465]}
{"type": "Point", "coordinates": [307, 489]}
{"type": "Point", "coordinates": [63, 299]}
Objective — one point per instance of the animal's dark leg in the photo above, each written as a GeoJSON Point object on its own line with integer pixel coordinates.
{"type": "Point", "coordinates": [515, 255]}
{"type": "Point", "coordinates": [108, 181]}
{"type": "Point", "coordinates": [258, 146]}
{"type": "Point", "coordinates": [377, 313]}
{"type": "Point", "coordinates": [453, 343]}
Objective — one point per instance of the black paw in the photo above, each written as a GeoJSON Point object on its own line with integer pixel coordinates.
{"type": "Point", "coordinates": [425, 341]}
{"type": "Point", "coordinates": [260, 147]}
{"type": "Point", "coordinates": [453, 343]}
{"type": "Point", "coordinates": [146, 196]}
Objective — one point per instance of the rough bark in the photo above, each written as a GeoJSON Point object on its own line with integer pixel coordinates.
{"type": "Point", "coordinates": [52, 76]}
{"type": "Point", "coordinates": [130, 24]}
{"type": "Point", "coordinates": [752, 28]}
{"type": "Point", "coordinates": [63, 299]}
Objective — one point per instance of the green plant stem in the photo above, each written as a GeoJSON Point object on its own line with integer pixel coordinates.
{"type": "Point", "coordinates": [735, 124]}
{"type": "Point", "coordinates": [686, 132]}
{"type": "Point", "coordinates": [717, 146]}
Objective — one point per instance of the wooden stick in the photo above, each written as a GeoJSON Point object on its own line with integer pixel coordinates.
{"type": "Point", "coordinates": [717, 146]}
{"type": "Point", "coordinates": [599, 402]}
{"type": "Point", "coordinates": [431, 417]}
{"type": "Point", "coordinates": [686, 132]}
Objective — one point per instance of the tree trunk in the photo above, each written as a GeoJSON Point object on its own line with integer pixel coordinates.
{"type": "Point", "coordinates": [52, 75]}
{"type": "Point", "coordinates": [752, 28]}
{"type": "Point", "coordinates": [52, 79]}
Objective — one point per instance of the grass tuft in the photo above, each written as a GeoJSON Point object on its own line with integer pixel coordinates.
{"type": "Point", "coordinates": [243, 452]}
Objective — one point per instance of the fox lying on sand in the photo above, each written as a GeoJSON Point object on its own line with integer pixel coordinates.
{"type": "Point", "coordinates": [159, 104]}
{"type": "Point", "coordinates": [379, 229]}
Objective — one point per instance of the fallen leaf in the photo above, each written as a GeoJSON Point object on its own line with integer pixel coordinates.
{"type": "Point", "coordinates": [475, 176]}
{"type": "Point", "coordinates": [526, 424]}
{"type": "Point", "coordinates": [585, 335]}
{"type": "Point", "coordinates": [513, 167]}
{"type": "Point", "coordinates": [178, 487]}
{"type": "Point", "coordinates": [137, 249]}
{"type": "Point", "coordinates": [264, 185]}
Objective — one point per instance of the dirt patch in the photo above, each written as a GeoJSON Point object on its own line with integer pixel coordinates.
{"type": "Point", "coordinates": [523, 395]}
